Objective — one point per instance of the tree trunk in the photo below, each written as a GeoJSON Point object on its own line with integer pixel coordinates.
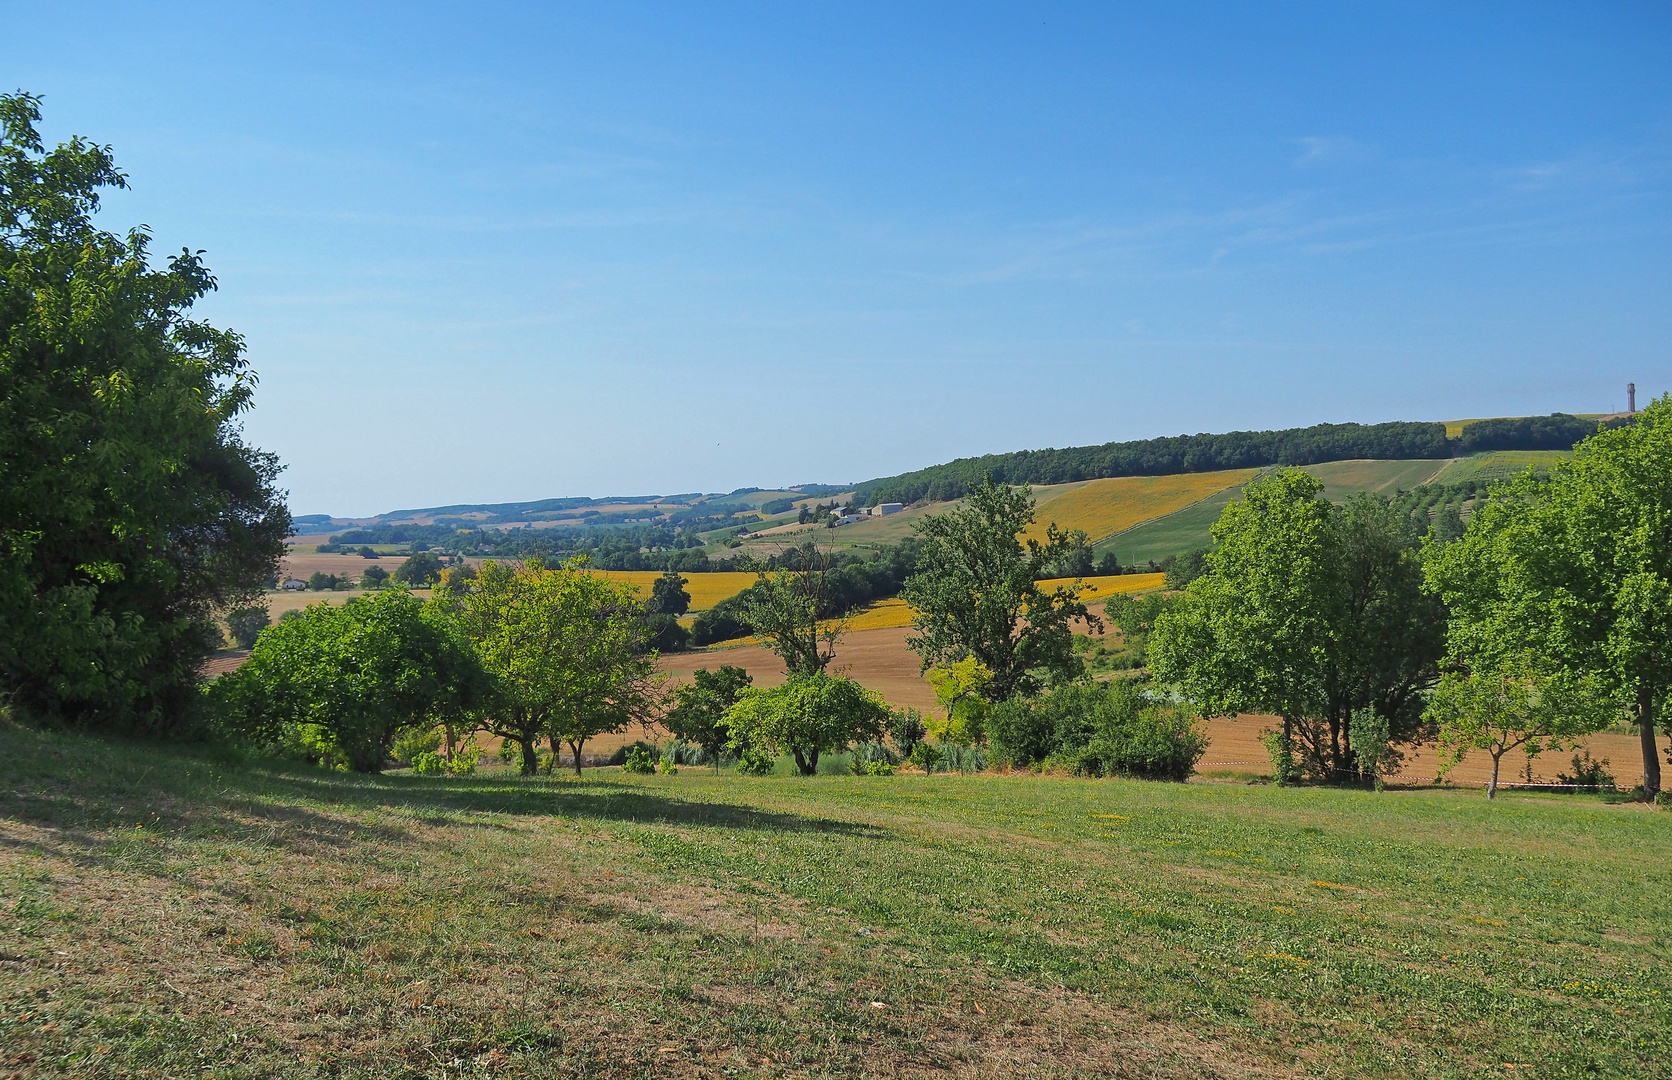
{"type": "Point", "coordinates": [1492, 787]}
{"type": "Point", "coordinates": [557, 754]}
{"type": "Point", "coordinates": [530, 755]}
{"type": "Point", "coordinates": [575, 745]}
{"type": "Point", "coordinates": [806, 764]}
{"type": "Point", "coordinates": [1651, 756]}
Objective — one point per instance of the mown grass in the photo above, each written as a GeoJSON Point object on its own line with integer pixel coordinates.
{"type": "Point", "coordinates": [168, 914]}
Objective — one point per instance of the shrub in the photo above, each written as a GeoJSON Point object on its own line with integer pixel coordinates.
{"type": "Point", "coordinates": [1097, 730]}
{"type": "Point", "coordinates": [878, 768]}
{"type": "Point", "coordinates": [464, 759]}
{"type": "Point", "coordinates": [906, 729]}
{"type": "Point", "coordinates": [641, 759]}
{"type": "Point", "coordinates": [1588, 772]}
{"type": "Point", "coordinates": [414, 741]}
{"type": "Point", "coordinates": [1157, 744]}
{"type": "Point", "coordinates": [867, 756]}
{"type": "Point", "coordinates": [926, 756]}
{"type": "Point", "coordinates": [753, 761]}
{"type": "Point", "coordinates": [428, 763]}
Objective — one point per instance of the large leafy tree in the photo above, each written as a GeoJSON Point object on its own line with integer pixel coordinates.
{"type": "Point", "coordinates": [566, 650]}
{"type": "Point", "coordinates": [1308, 611]}
{"type": "Point", "coordinates": [130, 510]}
{"type": "Point", "coordinates": [808, 716]}
{"type": "Point", "coordinates": [347, 679]}
{"type": "Point", "coordinates": [975, 593]}
{"type": "Point", "coordinates": [1577, 568]}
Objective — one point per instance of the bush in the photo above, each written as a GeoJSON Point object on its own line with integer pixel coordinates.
{"type": "Point", "coordinates": [409, 744]}
{"type": "Point", "coordinates": [1157, 744]}
{"type": "Point", "coordinates": [754, 761]}
{"type": "Point", "coordinates": [641, 759]}
{"type": "Point", "coordinates": [1097, 730]}
{"type": "Point", "coordinates": [428, 763]}
{"type": "Point", "coordinates": [867, 757]}
{"type": "Point", "coordinates": [1588, 772]}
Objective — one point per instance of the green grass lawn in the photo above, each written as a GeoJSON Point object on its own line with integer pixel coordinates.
{"type": "Point", "coordinates": [167, 914]}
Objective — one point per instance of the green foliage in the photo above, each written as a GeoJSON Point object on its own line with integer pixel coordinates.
{"type": "Point", "coordinates": [640, 759]}
{"type": "Point", "coordinates": [565, 649]}
{"type": "Point", "coordinates": [905, 730]}
{"type": "Point", "coordinates": [420, 570]}
{"type": "Point", "coordinates": [699, 712]}
{"type": "Point", "coordinates": [975, 594]}
{"type": "Point", "coordinates": [348, 679]}
{"type": "Point", "coordinates": [789, 608]}
{"type": "Point", "coordinates": [754, 761]}
{"type": "Point", "coordinates": [668, 596]}
{"type": "Point", "coordinates": [1309, 612]}
{"type": "Point", "coordinates": [1183, 569]}
{"type": "Point", "coordinates": [1098, 729]}
{"type": "Point", "coordinates": [1135, 617]}
{"type": "Point", "coordinates": [1588, 772]}
{"type": "Point", "coordinates": [926, 755]}
{"type": "Point", "coordinates": [664, 634]}
{"type": "Point", "coordinates": [245, 624]}
{"type": "Point", "coordinates": [130, 510]}
{"type": "Point", "coordinates": [374, 577]}
{"type": "Point", "coordinates": [1367, 731]}
{"type": "Point", "coordinates": [1517, 702]}
{"type": "Point", "coordinates": [959, 690]}
{"type": "Point", "coordinates": [414, 741]}
{"type": "Point", "coordinates": [320, 581]}
{"type": "Point", "coordinates": [428, 763]}
{"type": "Point", "coordinates": [1280, 748]}
{"type": "Point", "coordinates": [808, 716]}
{"type": "Point", "coordinates": [722, 622]}
{"type": "Point", "coordinates": [1576, 569]}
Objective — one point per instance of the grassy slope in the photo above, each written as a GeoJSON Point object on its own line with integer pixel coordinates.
{"type": "Point", "coordinates": [170, 916]}
{"type": "Point", "coordinates": [1499, 465]}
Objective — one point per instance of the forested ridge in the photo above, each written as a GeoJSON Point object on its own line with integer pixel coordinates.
{"type": "Point", "coordinates": [1231, 450]}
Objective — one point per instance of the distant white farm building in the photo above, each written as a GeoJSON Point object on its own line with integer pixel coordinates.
{"type": "Point", "coordinates": [884, 509]}
{"type": "Point", "coordinates": [294, 583]}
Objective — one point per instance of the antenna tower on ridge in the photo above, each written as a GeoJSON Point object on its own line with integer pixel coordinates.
{"type": "Point", "coordinates": [1631, 398]}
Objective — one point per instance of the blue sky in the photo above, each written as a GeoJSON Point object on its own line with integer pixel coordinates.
{"type": "Point", "coordinates": [492, 252]}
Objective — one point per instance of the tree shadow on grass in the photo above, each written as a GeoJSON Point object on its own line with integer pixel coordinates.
{"type": "Point", "coordinates": [588, 800]}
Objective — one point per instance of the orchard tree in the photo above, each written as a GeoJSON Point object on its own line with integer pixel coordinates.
{"type": "Point", "coordinates": [1513, 705]}
{"type": "Point", "coordinates": [565, 650]}
{"type": "Point", "coordinates": [699, 711]}
{"type": "Point", "coordinates": [131, 512]}
{"type": "Point", "coordinates": [808, 716]}
{"type": "Point", "coordinates": [1577, 568]}
{"type": "Point", "coordinates": [349, 678]}
{"type": "Point", "coordinates": [975, 593]}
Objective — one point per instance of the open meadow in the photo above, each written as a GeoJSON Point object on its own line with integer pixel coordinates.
{"type": "Point", "coordinates": [171, 914]}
